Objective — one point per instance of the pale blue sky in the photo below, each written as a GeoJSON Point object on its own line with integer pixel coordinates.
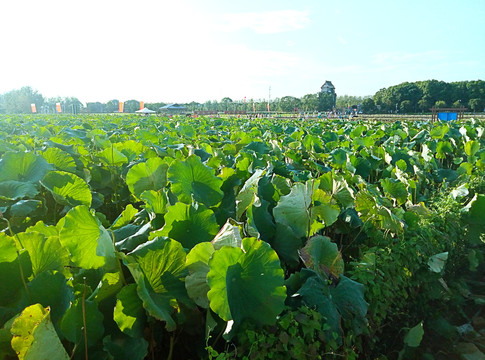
{"type": "Point", "coordinates": [184, 50]}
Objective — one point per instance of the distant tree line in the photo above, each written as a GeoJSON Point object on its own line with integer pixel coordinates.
{"type": "Point", "coordinates": [420, 96]}
{"type": "Point", "coordinates": [415, 97]}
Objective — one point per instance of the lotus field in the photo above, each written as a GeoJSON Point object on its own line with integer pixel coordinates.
{"type": "Point", "coordinates": [128, 237]}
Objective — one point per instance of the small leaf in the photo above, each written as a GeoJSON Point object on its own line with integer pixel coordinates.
{"type": "Point", "coordinates": [414, 336]}
{"type": "Point", "coordinates": [321, 255]}
{"type": "Point", "coordinates": [437, 262]}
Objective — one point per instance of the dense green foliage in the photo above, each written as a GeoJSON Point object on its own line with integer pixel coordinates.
{"type": "Point", "coordinates": [420, 96]}
{"type": "Point", "coordinates": [128, 237]}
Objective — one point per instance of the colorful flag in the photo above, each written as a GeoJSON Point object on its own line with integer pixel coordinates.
{"type": "Point", "coordinates": [141, 105]}
{"type": "Point", "coordinates": [58, 107]}
{"type": "Point", "coordinates": [32, 106]}
{"type": "Point", "coordinates": [268, 106]}
{"type": "Point", "coordinates": [120, 107]}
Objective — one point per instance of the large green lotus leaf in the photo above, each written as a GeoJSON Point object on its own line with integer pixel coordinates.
{"type": "Point", "coordinates": [150, 175]}
{"type": "Point", "coordinates": [246, 283]}
{"type": "Point", "coordinates": [34, 336]}
{"type": "Point", "coordinates": [286, 244]}
{"type": "Point", "coordinates": [246, 196]}
{"type": "Point", "coordinates": [51, 289]}
{"type": "Point", "coordinates": [8, 248]}
{"type": "Point", "coordinates": [472, 147]}
{"type": "Point", "coordinates": [361, 165]}
{"type": "Point", "coordinates": [6, 351]}
{"type": "Point", "coordinates": [130, 236]}
{"type": "Point", "coordinates": [67, 188]}
{"type": "Point", "coordinates": [395, 189]}
{"type": "Point", "coordinates": [198, 265]}
{"type": "Point", "coordinates": [231, 234]}
{"type": "Point", "coordinates": [15, 190]}
{"type": "Point", "coordinates": [158, 267]}
{"type": "Point", "coordinates": [348, 296]}
{"type": "Point", "coordinates": [343, 193]}
{"type": "Point", "coordinates": [125, 217]}
{"type": "Point", "coordinates": [260, 219]}
{"type": "Point", "coordinates": [155, 201]}
{"type": "Point", "coordinates": [130, 148]}
{"type": "Point", "coordinates": [324, 208]}
{"type": "Point", "coordinates": [475, 209]}
{"type": "Point", "coordinates": [60, 159]}
{"type": "Point", "coordinates": [109, 285]}
{"type": "Point", "coordinates": [315, 293]}
{"type": "Point", "coordinates": [27, 208]}
{"type": "Point", "coordinates": [23, 166]}
{"type": "Point", "coordinates": [46, 253]}
{"type": "Point", "coordinates": [11, 283]}
{"type": "Point", "coordinates": [227, 207]}
{"type": "Point", "coordinates": [191, 178]}
{"type": "Point", "coordinates": [129, 313]}
{"type": "Point", "coordinates": [87, 240]}
{"type": "Point", "coordinates": [439, 132]}
{"type": "Point", "coordinates": [47, 230]}
{"type": "Point", "coordinates": [443, 148]}
{"type": "Point", "coordinates": [338, 157]}
{"type": "Point", "coordinates": [322, 255]}
{"type": "Point", "coordinates": [121, 347]}
{"type": "Point", "coordinates": [293, 209]}
{"type": "Point", "coordinates": [112, 157]}
{"type": "Point", "coordinates": [189, 225]}
{"type": "Point", "coordinates": [72, 322]}
{"type": "Point", "coordinates": [357, 131]}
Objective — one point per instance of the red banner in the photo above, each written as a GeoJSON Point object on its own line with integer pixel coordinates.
{"type": "Point", "coordinates": [142, 105]}
{"type": "Point", "coordinates": [120, 106]}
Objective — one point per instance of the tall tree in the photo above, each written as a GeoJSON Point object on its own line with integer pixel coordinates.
{"type": "Point", "coordinates": [368, 106]}
{"type": "Point", "coordinates": [131, 106]}
{"type": "Point", "coordinates": [288, 104]}
{"type": "Point", "coordinates": [226, 102]}
{"type": "Point", "coordinates": [309, 102]}
{"type": "Point", "coordinates": [95, 107]}
{"type": "Point", "coordinates": [112, 106]}
{"type": "Point", "coordinates": [19, 101]}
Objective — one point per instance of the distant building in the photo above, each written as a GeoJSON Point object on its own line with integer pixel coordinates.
{"type": "Point", "coordinates": [172, 109]}
{"type": "Point", "coordinates": [328, 88]}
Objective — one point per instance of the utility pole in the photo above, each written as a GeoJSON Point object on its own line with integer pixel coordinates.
{"type": "Point", "coordinates": [269, 99]}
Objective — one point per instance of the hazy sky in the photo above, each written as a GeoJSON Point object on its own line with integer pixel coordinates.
{"type": "Point", "coordinates": [188, 50]}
